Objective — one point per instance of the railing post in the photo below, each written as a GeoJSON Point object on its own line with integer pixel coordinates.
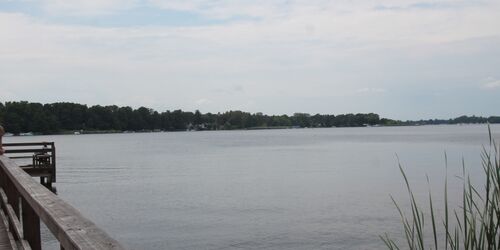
{"type": "Point", "coordinates": [2, 132]}
{"type": "Point", "coordinates": [53, 163]}
{"type": "Point", "coordinates": [13, 200]}
{"type": "Point", "coordinates": [31, 226]}
{"type": "Point", "coordinates": [12, 196]}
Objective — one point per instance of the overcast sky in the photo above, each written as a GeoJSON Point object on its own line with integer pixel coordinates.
{"type": "Point", "coordinates": [403, 59]}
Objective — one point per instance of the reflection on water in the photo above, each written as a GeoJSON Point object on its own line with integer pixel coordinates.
{"type": "Point", "coordinates": [266, 189]}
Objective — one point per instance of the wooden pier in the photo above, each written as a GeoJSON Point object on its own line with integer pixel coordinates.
{"type": "Point", "coordinates": [41, 157]}
{"type": "Point", "coordinates": [25, 203]}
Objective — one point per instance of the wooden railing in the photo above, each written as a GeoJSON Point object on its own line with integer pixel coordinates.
{"type": "Point", "coordinates": [24, 202]}
{"type": "Point", "coordinates": [42, 156]}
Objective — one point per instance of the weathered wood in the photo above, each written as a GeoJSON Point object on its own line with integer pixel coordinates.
{"type": "Point", "coordinates": [31, 226]}
{"type": "Point", "coordinates": [21, 157]}
{"type": "Point", "coordinates": [5, 240]}
{"type": "Point", "coordinates": [28, 144]}
{"type": "Point", "coordinates": [27, 150]}
{"type": "Point", "coordinates": [12, 196]}
{"type": "Point", "coordinates": [4, 223]}
{"type": "Point", "coordinates": [66, 223]}
{"type": "Point", "coordinates": [43, 156]}
{"type": "Point", "coordinates": [14, 225]}
{"type": "Point", "coordinates": [3, 199]}
{"type": "Point", "coordinates": [10, 218]}
{"type": "Point", "coordinates": [53, 179]}
{"type": "Point", "coordinates": [36, 172]}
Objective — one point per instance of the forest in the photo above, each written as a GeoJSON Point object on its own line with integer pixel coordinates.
{"type": "Point", "coordinates": [22, 117]}
{"type": "Point", "coordinates": [64, 117]}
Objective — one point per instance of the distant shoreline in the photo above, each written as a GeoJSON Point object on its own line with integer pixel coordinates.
{"type": "Point", "coordinates": [28, 118]}
{"type": "Point", "coordinates": [96, 132]}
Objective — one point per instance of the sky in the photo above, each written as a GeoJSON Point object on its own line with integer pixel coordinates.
{"type": "Point", "coordinates": [402, 59]}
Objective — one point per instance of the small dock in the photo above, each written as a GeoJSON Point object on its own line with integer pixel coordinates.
{"type": "Point", "coordinates": [39, 159]}
{"type": "Point", "coordinates": [25, 203]}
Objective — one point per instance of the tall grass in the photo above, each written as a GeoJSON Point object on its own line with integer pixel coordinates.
{"type": "Point", "coordinates": [475, 224]}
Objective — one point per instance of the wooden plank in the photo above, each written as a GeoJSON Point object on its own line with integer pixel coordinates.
{"type": "Point", "coordinates": [27, 150]}
{"type": "Point", "coordinates": [6, 219]}
{"type": "Point", "coordinates": [5, 223]}
{"type": "Point", "coordinates": [3, 199]}
{"type": "Point", "coordinates": [72, 229]}
{"type": "Point", "coordinates": [22, 144]}
{"type": "Point", "coordinates": [53, 179]}
{"type": "Point", "coordinates": [12, 195]}
{"type": "Point", "coordinates": [5, 235]}
{"type": "Point", "coordinates": [37, 172]}
{"type": "Point", "coordinates": [5, 240]}
{"type": "Point", "coordinates": [14, 224]}
{"type": "Point", "coordinates": [31, 226]}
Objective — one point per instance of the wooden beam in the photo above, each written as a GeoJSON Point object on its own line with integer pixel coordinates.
{"type": "Point", "coordinates": [22, 144]}
{"type": "Point", "coordinates": [14, 224]}
{"type": "Point", "coordinates": [31, 226]}
{"type": "Point", "coordinates": [22, 157]}
{"type": "Point", "coordinates": [36, 172]}
{"type": "Point", "coordinates": [27, 150]}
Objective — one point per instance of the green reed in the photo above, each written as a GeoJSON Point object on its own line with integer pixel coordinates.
{"type": "Point", "coordinates": [475, 224]}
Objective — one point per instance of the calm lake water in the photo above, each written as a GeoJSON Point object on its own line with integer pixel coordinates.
{"type": "Point", "coordinates": [266, 189]}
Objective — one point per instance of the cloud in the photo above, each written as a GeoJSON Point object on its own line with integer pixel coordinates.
{"type": "Point", "coordinates": [423, 5]}
{"type": "Point", "coordinates": [226, 9]}
{"type": "Point", "coordinates": [86, 7]}
{"type": "Point", "coordinates": [371, 90]}
{"type": "Point", "coordinates": [491, 83]}
{"type": "Point", "coordinates": [295, 53]}
{"type": "Point", "coordinates": [320, 21]}
{"type": "Point", "coordinates": [203, 101]}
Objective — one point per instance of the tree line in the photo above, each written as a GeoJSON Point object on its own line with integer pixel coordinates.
{"type": "Point", "coordinates": [61, 117]}
{"type": "Point", "coordinates": [22, 117]}
{"type": "Point", "coordinates": [459, 120]}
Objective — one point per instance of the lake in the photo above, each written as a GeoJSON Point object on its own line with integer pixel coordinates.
{"type": "Point", "coordinates": [259, 189]}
